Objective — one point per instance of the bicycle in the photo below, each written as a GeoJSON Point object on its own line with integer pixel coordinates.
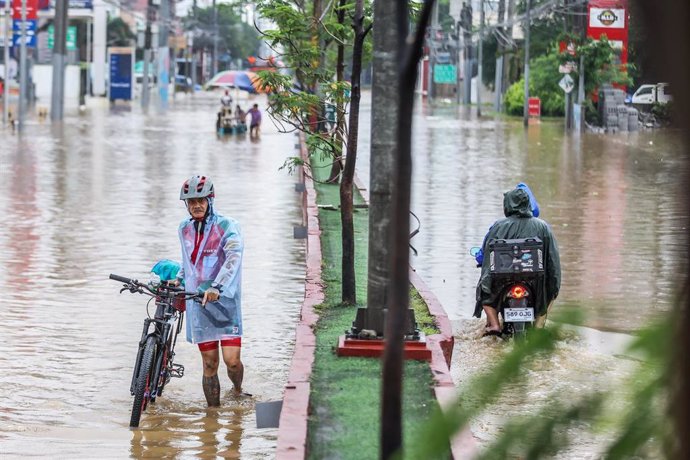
{"type": "Point", "coordinates": [154, 366]}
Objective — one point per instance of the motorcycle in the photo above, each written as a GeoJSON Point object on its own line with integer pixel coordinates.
{"type": "Point", "coordinates": [516, 267]}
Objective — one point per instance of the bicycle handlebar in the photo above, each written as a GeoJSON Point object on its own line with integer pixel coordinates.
{"type": "Point", "coordinates": [120, 278]}
{"type": "Point", "coordinates": [136, 286]}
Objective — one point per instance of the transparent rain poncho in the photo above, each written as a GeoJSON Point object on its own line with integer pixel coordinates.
{"type": "Point", "coordinates": [219, 261]}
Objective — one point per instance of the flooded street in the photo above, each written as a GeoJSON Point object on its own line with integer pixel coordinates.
{"type": "Point", "coordinates": [611, 200]}
{"type": "Point", "coordinates": [613, 204]}
{"type": "Point", "coordinates": [101, 197]}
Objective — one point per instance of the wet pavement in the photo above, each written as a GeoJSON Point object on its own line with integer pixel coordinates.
{"type": "Point", "coordinates": [101, 196]}
{"type": "Point", "coordinates": [613, 203]}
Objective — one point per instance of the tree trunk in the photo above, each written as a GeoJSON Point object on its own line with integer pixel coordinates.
{"type": "Point", "coordinates": [399, 301]}
{"type": "Point", "coordinates": [384, 94]}
{"type": "Point", "coordinates": [337, 166]}
{"type": "Point", "coordinates": [348, 230]}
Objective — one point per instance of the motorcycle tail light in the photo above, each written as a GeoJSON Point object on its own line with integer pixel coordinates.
{"type": "Point", "coordinates": [518, 292]}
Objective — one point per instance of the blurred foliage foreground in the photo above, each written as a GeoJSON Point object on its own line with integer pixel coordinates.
{"type": "Point", "coordinates": [641, 429]}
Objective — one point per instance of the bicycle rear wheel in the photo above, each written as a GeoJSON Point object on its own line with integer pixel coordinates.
{"type": "Point", "coordinates": [143, 381]}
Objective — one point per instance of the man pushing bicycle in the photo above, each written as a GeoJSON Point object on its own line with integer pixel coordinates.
{"type": "Point", "coordinates": [212, 263]}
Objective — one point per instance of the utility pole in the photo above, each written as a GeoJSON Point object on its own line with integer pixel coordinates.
{"type": "Point", "coordinates": [89, 40]}
{"type": "Point", "coordinates": [163, 54]}
{"type": "Point", "coordinates": [215, 39]}
{"type": "Point", "coordinates": [581, 69]}
{"type": "Point", "coordinates": [568, 26]}
{"type": "Point", "coordinates": [458, 61]}
{"type": "Point", "coordinates": [508, 63]}
{"type": "Point", "coordinates": [23, 69]}
{"type": "Point", "coordinates": [147, 57]}
{"type": "Point", "coordinates": [466, 17]}
{"type": "Point", "coordinates": [498, 80]}
{"type": "Point", "coordinates": [6, 86]}
{"type": "Point", "coordinates": [57, 99]}
{"type": "Point", "coordinates": [432, 53]}
{"type": "Point", "coordinates": [525, 108]}
{"type": "Point", "coordinates": [481, 57]}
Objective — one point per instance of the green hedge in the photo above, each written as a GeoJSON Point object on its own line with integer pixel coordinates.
{"type": "Point", "coordinates": [544, 78]}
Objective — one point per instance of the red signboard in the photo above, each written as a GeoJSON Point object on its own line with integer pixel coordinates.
{"type": "Point", "coordinates": [610, 18]}
{"type": "Point", "coordinates": [534, 107]}
{"type": "Point", "coordinates": [31, 9]}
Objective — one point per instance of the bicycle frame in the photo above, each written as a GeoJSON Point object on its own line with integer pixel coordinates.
{"type": "Point", "coordinates": [157, 343]}
{"type": "Point", "coordinates": [164, 321]}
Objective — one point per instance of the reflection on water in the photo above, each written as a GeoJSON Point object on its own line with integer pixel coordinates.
{"type": "Point", "coordinates": [101, 196]}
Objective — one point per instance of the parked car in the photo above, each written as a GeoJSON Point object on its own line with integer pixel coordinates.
{"type": "Point", "coordinates": [647, 95]}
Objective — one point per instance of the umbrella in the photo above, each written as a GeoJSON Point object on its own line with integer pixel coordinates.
{"type": "Point", "coordinates": [241, 79]}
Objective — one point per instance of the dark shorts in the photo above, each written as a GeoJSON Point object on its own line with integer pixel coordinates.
{"type": "Point", "coordinates": [213, 345]}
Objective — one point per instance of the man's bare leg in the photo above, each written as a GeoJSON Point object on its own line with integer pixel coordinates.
{"type": "Point", "coordinates": [492, 317]}
{"type": "Point", "coordinates": [541, 320]}
{"type": "Point", "coordinates": [231, 356]}
{"type": "Point", "coordinates": [210, 382]}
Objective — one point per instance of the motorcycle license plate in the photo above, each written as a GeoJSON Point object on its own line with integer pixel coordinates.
{"type": "Point", "coordinates": [518, 315]}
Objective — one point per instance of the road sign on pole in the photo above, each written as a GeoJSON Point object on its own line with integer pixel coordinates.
{"type": "Point", "coordinates": [28, 36]}
{"type": "Point", "coordinates": [567, 83]}
{"type": "Point", "coordinates": [445, 73]}
{"type": "Point", "coordinates": [71, 37]}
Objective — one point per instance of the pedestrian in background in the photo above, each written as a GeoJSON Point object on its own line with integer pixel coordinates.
{"type": "Point", "coordinates": [255, 123]}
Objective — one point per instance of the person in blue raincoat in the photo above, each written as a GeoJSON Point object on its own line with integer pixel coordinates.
{"type": "Point", "coordinates": [212, 263]}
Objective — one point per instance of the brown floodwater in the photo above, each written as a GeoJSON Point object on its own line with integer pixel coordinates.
{"type": "Point", "coordinates": [100, 196]}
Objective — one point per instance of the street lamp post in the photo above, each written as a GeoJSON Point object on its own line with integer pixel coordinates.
{"type": "Point", "coordinates": [57, 98]}
{"type": "Point", "coordinates": [215, 39]}
{"type": "Point", "coordinates": [147, 58]}
{"type": "Point", "coordinates": [525, 107]}
{"type": "Point", "coordinates": [6, 79]}
{"type": "Point", "coordinates": [23, 68]}
{"type": "Point", "coordinates": [480, 74]}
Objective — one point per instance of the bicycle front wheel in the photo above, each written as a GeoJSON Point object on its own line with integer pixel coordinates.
{"type": "Point", "coordinates": [144, 381]}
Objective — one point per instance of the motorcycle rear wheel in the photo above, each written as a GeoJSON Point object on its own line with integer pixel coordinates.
{"type": "Point", "coordinates": [519, 330]}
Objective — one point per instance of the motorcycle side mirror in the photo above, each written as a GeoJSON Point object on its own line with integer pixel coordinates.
{"type": "Point", "coordinates": [474, 250]}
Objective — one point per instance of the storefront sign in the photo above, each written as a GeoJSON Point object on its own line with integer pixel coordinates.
{"type": "Point", "coordinates": [610, 18]}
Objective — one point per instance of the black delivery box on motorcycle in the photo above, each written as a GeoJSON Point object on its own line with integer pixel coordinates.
{"type": "Point", "coordinates": [516, 257]}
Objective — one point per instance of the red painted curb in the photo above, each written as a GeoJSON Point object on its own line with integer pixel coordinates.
{"type": "Point", "coordinates": [374, 348]}
{"type": "Point", "coordinates": [292, 431]}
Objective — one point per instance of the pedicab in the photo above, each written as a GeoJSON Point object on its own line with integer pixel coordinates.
{"type": "Point", "coordinates": [228, 123]}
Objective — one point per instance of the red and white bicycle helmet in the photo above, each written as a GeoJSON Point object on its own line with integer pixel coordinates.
{"type": "Point", "coordinates": [197, 187]}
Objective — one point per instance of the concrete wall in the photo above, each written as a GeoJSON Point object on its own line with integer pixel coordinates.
{"type": "Point", "coordinates": [43, 77]}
